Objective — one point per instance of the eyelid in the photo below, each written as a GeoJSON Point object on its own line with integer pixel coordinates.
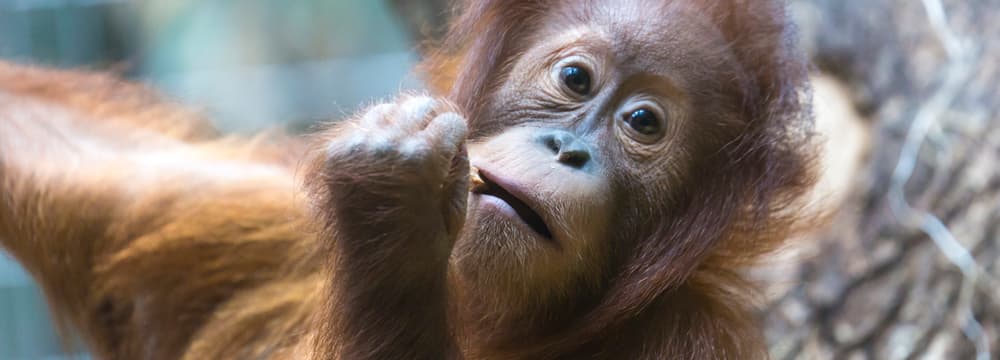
{"type": "Point", "coordinates": [573, 58]}
{"type": "Point", "coordinates": [647, 103]}
{"type": "Point", "coordinates": [573, 55]}
{"type": "Point", "coordinates": [587, 62]}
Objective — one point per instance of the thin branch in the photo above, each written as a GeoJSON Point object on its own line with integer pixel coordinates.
{"type": "Point", "coordinates": [959, 71]}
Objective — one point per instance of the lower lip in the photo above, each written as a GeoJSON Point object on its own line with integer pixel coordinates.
{"type": "Point", "coordinates": [503, 207]}
{"type": "Point", "coordinates": [488, 202]}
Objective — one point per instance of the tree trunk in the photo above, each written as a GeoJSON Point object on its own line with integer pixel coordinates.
{"type": "Point", "coordinates": [875, 284]}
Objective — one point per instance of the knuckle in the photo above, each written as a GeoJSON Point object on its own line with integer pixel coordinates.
{"type": "Point", "coordinates": [378, 113]}
{"type": "Point", "coordinates": [339, 148]}
{"type": "Point", "coordinates": [360, 145]}
{"type": "Point", "coordinates": [453, 123]}
{"type": "Point", "coordinates": [449, 129]}
{"type": "Point", "coordinates": [415, 150]}
{"type": "Point", "coordinates": [418, 106]}
{"type": "Point", "coordinates": [380, 147]}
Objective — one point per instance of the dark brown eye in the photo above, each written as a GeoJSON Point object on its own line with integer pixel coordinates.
{"type": "Point", "coordinates": [576, 79]}
{"type": "Point", "coordinates": [643, 121]}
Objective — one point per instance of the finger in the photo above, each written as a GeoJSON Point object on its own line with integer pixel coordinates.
{"type": "Point", "coordinates": [378, 117]}
{"type": "Point", "coordinates": [447, 131]}
{"type": "Point", "coordinates": [414, 114]}
{"type": "Point", "coordinates": [455, 193]}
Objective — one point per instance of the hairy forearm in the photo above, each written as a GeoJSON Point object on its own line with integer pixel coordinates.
{"type": "Point", "coordinates": [384, 316]}
{"type": "Point", "coordinates": [53, 187]}
{"type": "Point", "coordinates": [389, 189]}
{"type": "Point", "coordinates": [102, 213]}
{"type": "Point", "coordinates": [388, 286]}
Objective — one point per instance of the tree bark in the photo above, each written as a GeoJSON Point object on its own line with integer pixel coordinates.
{"type": "Point", "coordinates": [876, 285]}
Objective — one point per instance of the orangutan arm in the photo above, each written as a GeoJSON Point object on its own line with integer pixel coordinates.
{"type": "Point", "coordinates": [391, 187]}
{"type": "Point", "coordinates": [112, 200]}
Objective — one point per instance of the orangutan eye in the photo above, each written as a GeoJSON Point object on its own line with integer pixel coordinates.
{"type": "Point", "coordinates": [576, 79]}
{"type": "Point", "coordinates": [644, 122]}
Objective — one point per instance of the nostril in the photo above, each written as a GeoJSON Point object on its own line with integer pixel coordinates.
{"type": "Point", "coordinates": [552, 143]}
{"type": "Point", "coordinates": [567, 148]}
{"type": "Point", "coordinates": [574, 158]}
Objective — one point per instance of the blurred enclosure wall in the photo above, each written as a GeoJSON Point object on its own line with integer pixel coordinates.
{"type": "Point", "coordinates": [248, 65]}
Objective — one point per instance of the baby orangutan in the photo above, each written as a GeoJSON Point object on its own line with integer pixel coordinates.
{"type": "Point", "coordinates": [588, 180]}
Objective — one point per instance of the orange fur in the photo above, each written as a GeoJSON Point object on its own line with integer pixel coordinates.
{"type": "Point", "coordinates": [154, 237]}
{"type": "Point", "coordinates": [149, 234]}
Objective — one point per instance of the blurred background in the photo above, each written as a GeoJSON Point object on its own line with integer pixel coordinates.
{"type": "Point", "coordinates": [248, 64]}
{"type": "Point", "coordinates": [907, 270]}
